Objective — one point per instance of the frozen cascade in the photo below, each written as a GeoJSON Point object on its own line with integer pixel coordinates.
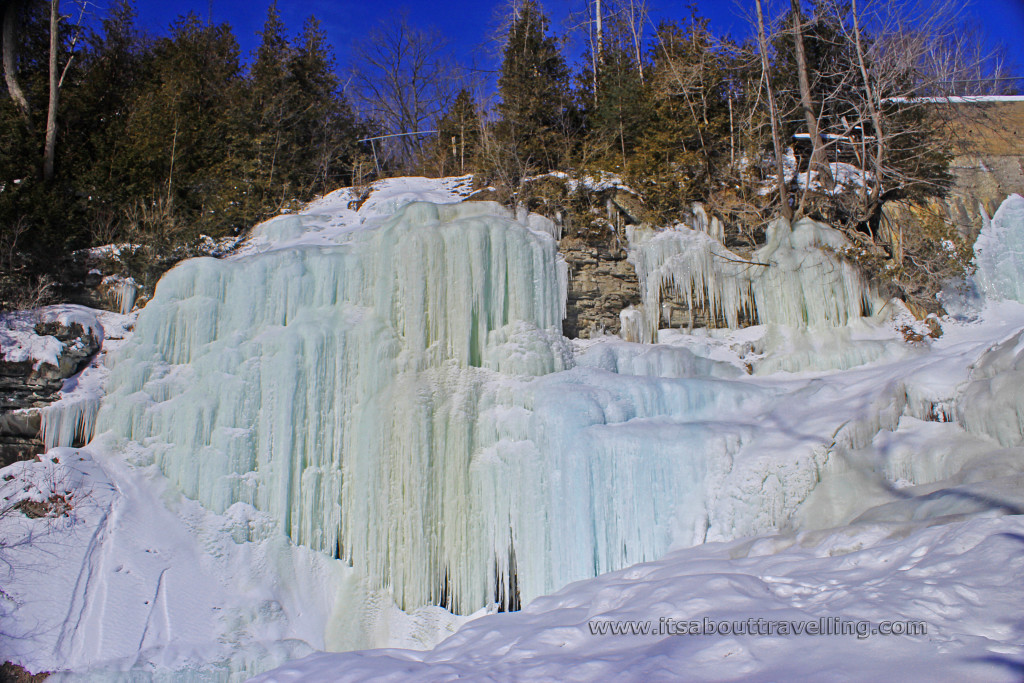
{"type": "Point", "coordinates": [376, 399]}
{"type": "Point", "coordinates": [999, 252]}
{"type": "Point", "coordinates": [794, 279]}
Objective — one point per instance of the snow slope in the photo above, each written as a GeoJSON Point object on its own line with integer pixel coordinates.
{"type": "Point", "coordinates": [663, 479]}
{"type": "Point", "coordinates": [962, 579]}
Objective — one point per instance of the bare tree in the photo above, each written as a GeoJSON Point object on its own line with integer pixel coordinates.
{"type": "Point", "coordinates": [766, 79]}
{"type": "Point", "coordinates": [405, 82]}
{"type": "Point", "coordinates": [636, 16]}
{"type": "Point", "coordinates": [11, 15]}
{"type": "Point", "coordinates": [818, 165]}
{"type": "Point", "coordinates": [50, 146]}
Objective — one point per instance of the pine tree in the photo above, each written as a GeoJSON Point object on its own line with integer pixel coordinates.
{"type": "Point", "coordinates": [325, 130]}
{"type": "Point", "coordinates": [458, 137]}
{"type": "Point", "coordinates": [114, 68]}
{"type": "Point", "coordinates": [616, 112]}
{"type": "Point", "coordinates": [272, 96]}
{"type": "Point", "coordinates": [686, 136]}
{"type": "Point", "coordinates": [184, 131]}
{"type": "Point", "coordinates": [536, 129]}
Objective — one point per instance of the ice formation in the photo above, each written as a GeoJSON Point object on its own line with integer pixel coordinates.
{"type": "Point", "coordinates": [69, 421]}
{"type": "Point", "coordinates": [337, 388]}
{"type": "Point", "coordinates": [999, 252]}
{"type": "Point", "coordinates": [389, 386]}
{"type": "Point", "coordinates": [795, 279]}
{"type": "Point", "coordinates": [405, 401]}
{"type": "Point", "coordinates": [125, 295]}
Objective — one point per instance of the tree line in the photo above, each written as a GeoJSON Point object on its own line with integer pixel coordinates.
{"type": "Point", "coordinates": [109, 134]}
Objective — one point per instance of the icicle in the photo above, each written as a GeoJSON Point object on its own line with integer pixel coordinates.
{"type": "Point", "coordinates": [999, 251]}
{"type": "Point", "coordinates": [124, 295]}
{"type": "Point", "coordinates": [339, 388]}
{"type": "Point", "coordinates": [406, 401]}
{"type": "Point", "coordinates": [636, 327]}
{"type": "Point", "coordinates": [69, 422]}
{"type": "Point", "coordinates": [793, 280]}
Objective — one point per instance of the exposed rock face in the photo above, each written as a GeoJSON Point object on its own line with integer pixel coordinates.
{"type": "Point", "coordinates": [593, 211]}
{"type": "Point", "coordinates": [24, 388]}
{"type": "Point", "coordinates": [601, 282]}
{"type": "Point", "coordinates": [12, 673]}
{"type": "Point", "coordinates": [989, 163]}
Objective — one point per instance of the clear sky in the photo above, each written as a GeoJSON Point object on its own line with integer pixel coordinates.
{"type": "Point", "coordinates": [467, 23]}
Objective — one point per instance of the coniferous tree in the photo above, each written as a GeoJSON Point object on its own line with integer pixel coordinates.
{"type": "Point", "coordinates": [458, 137]}
{"type": "Point", "coordinates": [686, 136]}
{"type": "Point", "coordinates": [271, 99]}
{"type": "Point", "coordinates": [183, 125]}
{"type": "Point", "coordinates": [537, 122]}
{"type": "Point", "coordinates": [113, 68]}
{"type": "Point", "coordinates": [324, 125]}
{"type": "Point", "coordinates": [616, 112]}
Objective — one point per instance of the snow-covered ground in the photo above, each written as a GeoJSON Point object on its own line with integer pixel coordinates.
{"type": "Point", "coordinates": [19, 342]}
{"type": "Point", "coordinates": [878, 479]}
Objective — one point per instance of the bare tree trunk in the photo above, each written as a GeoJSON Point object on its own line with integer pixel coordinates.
{"type": "Point", "coordinates": [10, 59]}
{"type": "Point", "coordinates": [174, 149]}
{"type": "Point", "coordinates": [636, 16]}
{"type": "Point", "coordinates": [780, 170]}
{"type": "Point", "coordinates": [50, 148]}
{"type": "Point", "coordinates": [876, 118]}
{"type": "Point", "coordinates": [818, 162]}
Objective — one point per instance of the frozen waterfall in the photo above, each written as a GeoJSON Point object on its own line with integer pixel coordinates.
{"type": "Point", "coordinates": [402, 398]}
{"type": "Point", "coordinates": [795, 279]}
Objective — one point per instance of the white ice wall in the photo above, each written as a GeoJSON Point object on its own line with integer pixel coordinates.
{"type": "Point", "coordinates": [999, 252]}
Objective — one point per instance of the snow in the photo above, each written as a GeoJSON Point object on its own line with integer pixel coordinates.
{"type": "Point", "coordinates": [961, 579]}
{"type": "Point", "coordinates": [599, 182]}
{"type": "Point", "coordinates": [71, 418]}
{"type": "Point", "coordinates": [388, 386]}
{"type": "Point", "coordinates": [19, 342]}
{"type": "Point", "coordinates": [959, 99]}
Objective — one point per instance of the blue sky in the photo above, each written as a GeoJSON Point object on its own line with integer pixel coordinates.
{"type": "Point", "coordinates": [467, 23]}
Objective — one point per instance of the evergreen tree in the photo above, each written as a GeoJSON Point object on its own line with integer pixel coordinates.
{"type": "Point", "coordinates": [183, 133]}
{"type": "Point", "coordinates": [458, 137]}
{"type": "Point", "coordinates": [616, 113]}
{"type": "Point", "coordinates": [272, 98]}
{"type": "Point", "coordinates": [325, 130]}
{"type": "Point", "coordinates": [685, 137]}
{"type": "Point", "coordinates": [536, 127]}
{"type": "Point", "coordinates": [105, 88]}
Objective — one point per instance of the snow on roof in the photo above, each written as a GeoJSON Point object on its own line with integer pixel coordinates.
{"type": "Point", "coordinates": [959, 99]}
